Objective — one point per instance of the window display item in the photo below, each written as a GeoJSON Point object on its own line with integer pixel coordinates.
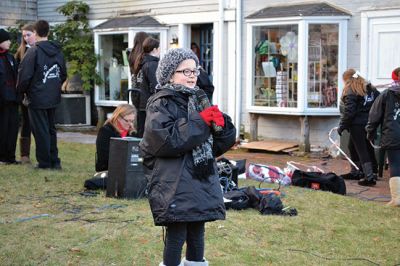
{"type": "Point", "coordinates": [269, 69]}
{"type": "Point", "coordinates": [282, 88]}
{"type": "Point", "coordinates": [115, 79]}
{"type": "Point", "coordinates": [289, 46]}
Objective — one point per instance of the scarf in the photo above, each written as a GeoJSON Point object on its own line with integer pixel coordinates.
{"type": "Point", "coordinates": [202, 154]}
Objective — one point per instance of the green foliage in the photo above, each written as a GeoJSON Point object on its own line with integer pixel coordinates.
{"type": "Point", "coordinates": [15, 36]}
{"type": "Point", "coordinates": [77, 43]}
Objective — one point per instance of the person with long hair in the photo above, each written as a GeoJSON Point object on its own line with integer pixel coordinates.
{"type": "Point", "coordinates": [134, 56]}
{"type": "Point", "coordinates": [358, 98]}
{"type": "Point", "coordinates": [28, 40]}
{"type": "Point", "coordinates": [145, 67]}
{"type": "Point", "coordinates": [182, 137]}
{"type": "Point", "coordinates": [386, 112]}
{"type": "Point", "coordinates": [119, 125]}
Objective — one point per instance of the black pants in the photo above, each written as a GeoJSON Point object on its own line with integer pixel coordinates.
{"type": "Point", "coordinates": [358, 136]}
{"type": "Point", "coordinates": [25, 124]}
{"type": "Point", "coordinates": [141, 118]}
{"type": "Point", "coordinates": [354, 155]}
{"type": "Point", "coordinates": [394, 162]}
{"type": "Point", "coordinates": [177, 234]}
{"type": "Point", "coordinates": [8, 131]}
{"type": "Point", "coordinates": [45, 133]}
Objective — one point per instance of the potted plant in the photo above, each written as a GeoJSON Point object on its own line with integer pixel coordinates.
{"type": "Point", "coordinates": [77, 44]}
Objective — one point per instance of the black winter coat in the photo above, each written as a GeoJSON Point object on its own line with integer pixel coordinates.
{"type": "Point", "coordinates": [356, 107]}
{"type": "Point", "coordinates": [386, 112]}
{"type": "Point", "coordinates": [8, 78]}
{"type": "Point", "coordinates": [204, 83]}
{"type": "Point", "coordinates": [41, 75]}
{"type": "Point", "coordinates": [103, 146]}
{"type": "Point", "coordinates": [169, 137]}
{"type": "Point", "coordinates": [146, 80]}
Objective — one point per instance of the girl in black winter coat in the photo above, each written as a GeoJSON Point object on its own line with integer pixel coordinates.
{"type": "Point", "coordinates": [386, 112]}
{"type": "Point", "coordinates": [183, 135]}
{"type": "Point", "coordinates": [357, 99]}
{"type": "Point", "coordinates": [8, 101]}
{"type": "Point", "coordinates": [145, 68]}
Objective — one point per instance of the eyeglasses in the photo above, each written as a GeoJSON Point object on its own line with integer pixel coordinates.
{"type": "Point", "coordinates": [129, 121]}
{"type": "Point", "coordinates": [187, 72]}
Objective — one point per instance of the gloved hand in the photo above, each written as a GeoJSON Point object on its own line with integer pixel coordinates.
{"type": "Point", "coordinates": [207, 115]}
{"type": "Point", "coordinates": [218, 117]}
{"type": "Point", "coordinates": [340, 130]}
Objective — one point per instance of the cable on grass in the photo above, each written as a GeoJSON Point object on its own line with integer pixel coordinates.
{"type": "Point", "coordinates": [328, 258]}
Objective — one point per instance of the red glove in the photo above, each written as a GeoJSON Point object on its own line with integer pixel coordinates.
{"type": "Point", "coordinates": [207, 115]}
{"type": "Point", "coordinates": [218, 118]}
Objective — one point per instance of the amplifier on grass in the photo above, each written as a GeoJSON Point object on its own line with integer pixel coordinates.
{"type": "Point", "coordinates": [126, 177]}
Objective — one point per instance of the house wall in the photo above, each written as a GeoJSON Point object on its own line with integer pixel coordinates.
{"type": "Point", "coordinates": [105, 9]}
{"type": "Point", "coordinates": [288, 127]}
{"type": "Point", "coordinates": [13, 11]}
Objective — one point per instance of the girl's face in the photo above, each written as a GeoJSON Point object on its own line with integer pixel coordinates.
{"type": "Point", "coordinates": [181, 75]}
{"type": "Point", "coordinates": [127, 121]}
{"type": "Point", "coordinates": [29, 37]}
{"type": "Point", "coordinates": [5, 45]}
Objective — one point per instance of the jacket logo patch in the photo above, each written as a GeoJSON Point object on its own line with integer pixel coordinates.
{"type": "Point", "coordinates": [51, 73]}
{"type": "Point", "coordinates": [396, 111]}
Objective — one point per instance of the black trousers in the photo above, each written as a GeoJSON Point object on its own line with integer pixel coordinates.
{"type": "Point", "coordinates": [141, 118]}
{"type": "Point", "coordinates": [394, 162]}
{"type": "Point", "coordinates": [45, 133]}
{"type": "Point", "coordinates": [25, 124]}
{"type": "Point", "coordinates": [358, 136]}
{"type": "Point", "coordinates": [8, 131]}
{"type": "Point", "coordinates": [177, 234]}
{"type": "Point", "coordinates": [354, 155]}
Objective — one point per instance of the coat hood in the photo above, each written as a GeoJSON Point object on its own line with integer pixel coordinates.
{"type": "Point", "coordinates": [395, 87]}
{"type": "Point", "coordinates": [49, 48]}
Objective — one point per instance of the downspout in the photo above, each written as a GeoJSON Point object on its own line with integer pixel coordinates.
{"type": "Point", "coordinates": [220, 52]}
{"type": "Point", "coordinates": [238, 90]}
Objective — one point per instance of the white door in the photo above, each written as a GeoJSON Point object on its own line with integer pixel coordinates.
{"type": "Point", "coordinates": [380, 52]}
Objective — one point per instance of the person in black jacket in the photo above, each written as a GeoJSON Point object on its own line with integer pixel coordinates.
{"type": "Point", "coordinates": [41, 75]}
{"type": "Point", "coordinates": [357, 99]}
{"type": "Point", "coordinates": [183, 134]}
{"type": "Point", "coordinates": [386, 112]}
{"type": "Point", "coordinates": [146, 68]}
{"type": "Point", "coordinates": [28, 40]}
{"type": "Point", "coordinates": [8, 101]}
{"type": "Point", "coordinates": [119, 125]}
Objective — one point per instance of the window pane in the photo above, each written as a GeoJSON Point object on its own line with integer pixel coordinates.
{"type": "Point", "coordinates": [114, 67]}
{"type": "Point", "coordinates": [275, 66]}
{"type": "Point", "coordinates": [322, 65]}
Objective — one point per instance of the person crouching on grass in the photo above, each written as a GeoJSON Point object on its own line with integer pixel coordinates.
{"type": "Point", "coordinates": [179, 145]}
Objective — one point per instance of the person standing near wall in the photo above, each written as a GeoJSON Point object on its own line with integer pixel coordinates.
{"type": "Point", "coordinates": [133, 57]}
{"type": "Point", "coordinates": [386, 112]}
{"type": "Point", "coordinates": [28, 40]}
{"type": "Point", "coordinates": [145, 67]}
{"type": "Point", "coordinates": [41, 75]}
{"type": "Point", "coordinates": [183, 135]}
{"type": "Point", "coordinates": [357, 99]}
{"type": "Point", "coordinates": [9, 100]}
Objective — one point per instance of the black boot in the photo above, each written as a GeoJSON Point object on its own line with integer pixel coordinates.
{"type": "Point", "coordinates": [369, 176]}
{"type": "Point", "coordinates": [354, 173]}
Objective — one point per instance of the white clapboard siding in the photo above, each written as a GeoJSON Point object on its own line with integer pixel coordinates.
{"type": "Point", "coordinates": [104, 9]}
{"type": "Point", "coordinates": [13, 11]}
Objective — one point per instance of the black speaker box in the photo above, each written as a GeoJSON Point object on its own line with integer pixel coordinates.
{"type": "Point", "coordinates": [126, 177]}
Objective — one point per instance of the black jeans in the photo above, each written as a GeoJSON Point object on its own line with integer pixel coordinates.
{"type": "Point", "coordinates": [358, 136]}
{"type": "Point", "coordinates": [45, 133]}
{"type": "Point", "coordinates": [8, 131]}
{"type": "Point", "coordinates": [394, 162]}
{"type": "Point", "coordinates": [177, 234]}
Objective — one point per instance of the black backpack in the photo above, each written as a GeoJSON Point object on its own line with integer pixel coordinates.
{"type": "Point", "coordinates": [319, 181]}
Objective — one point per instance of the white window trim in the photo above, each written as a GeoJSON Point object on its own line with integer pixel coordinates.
{"type": "Point", "coordinates": [131, 33]}
{"type": "Point", "coordinates": [302, 23]}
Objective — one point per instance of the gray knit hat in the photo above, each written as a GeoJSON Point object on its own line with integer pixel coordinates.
{"type": "Point", "coordinates": [170, 62]}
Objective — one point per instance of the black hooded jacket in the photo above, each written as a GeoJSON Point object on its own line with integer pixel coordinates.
{"type": "Point", "coordinates": [41, 75]}
{"type": "Point", "coordinates": [8, 78]}
{"type": "Point", "coordinates": [170, 135]}
{"type": "Point", "coordinates": [356, 107]}
{"type": "Point", "coordinates": [386, 112]}
{"type": "Point", "coordinates": [147, 80]}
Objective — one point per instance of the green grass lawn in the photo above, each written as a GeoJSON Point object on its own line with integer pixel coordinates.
{"type": "Point", "coordinates": [44, 220]}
